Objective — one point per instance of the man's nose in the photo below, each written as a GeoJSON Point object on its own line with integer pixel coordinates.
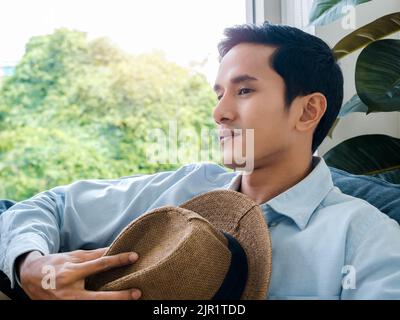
{"type": "Point", "coordinates": [224, 111]}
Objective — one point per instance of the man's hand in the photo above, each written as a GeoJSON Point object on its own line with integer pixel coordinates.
{"type": "Point", "coordinates": [71, 269]}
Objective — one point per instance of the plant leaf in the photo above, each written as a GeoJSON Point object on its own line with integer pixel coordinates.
{"type": "Point", "coordinates": [353, 105]}
{"type": "Point", "coordinates": [378, 76]}
{"type": "Point", "coordinates": [374, 155]}
{"type": "Point", "coordinates": [326, 11]}
{"type": "Point", "coordinates": [330, 133]}
{"type": "Point", "coordinates": [363, 36]}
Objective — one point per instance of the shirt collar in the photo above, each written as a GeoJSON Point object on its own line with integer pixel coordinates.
{"type": "Point", "coordinates": [301, 200]}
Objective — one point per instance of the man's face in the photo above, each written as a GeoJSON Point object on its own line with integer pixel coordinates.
{"type": "Point", "coordinates": [251, 96]}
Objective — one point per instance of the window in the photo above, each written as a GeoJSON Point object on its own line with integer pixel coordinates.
{"type": "Point", "coordinates": [291, 12]}
{"type": "Point", "coordinates": [296, 12]}
{"type": "Point", "coordinates": [91, 79]}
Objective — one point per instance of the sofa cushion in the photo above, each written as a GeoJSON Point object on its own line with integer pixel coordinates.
{"type": "Point", "coordinates": [6, 204]}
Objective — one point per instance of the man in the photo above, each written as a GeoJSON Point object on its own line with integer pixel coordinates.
{"type": "Point", "coordinates": [284, 84]}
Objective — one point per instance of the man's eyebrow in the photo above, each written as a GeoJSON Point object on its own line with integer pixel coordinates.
{"type": "Point", "coordinates": [236, 80]}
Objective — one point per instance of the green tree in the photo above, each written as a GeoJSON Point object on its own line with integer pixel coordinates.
{"type": "Point", "coordinates": [79, 109]}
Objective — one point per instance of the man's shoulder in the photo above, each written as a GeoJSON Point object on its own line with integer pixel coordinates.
{"type": "Point", "coordinates": [210, 168]}
{"type": "Point", "coordinates": [210, 171]}
{"type": "Point", "coordinates": [205, 166]}
{"type": "Point", "coordinates": [356, 213]}
{"type": "Point", "coordinates": [200, 172]}
{"type": "Point", "coordinates": [355, 221]}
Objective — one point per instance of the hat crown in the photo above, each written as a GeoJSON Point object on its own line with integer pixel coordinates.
{"type": "Point", "coordinates": [182, 256]}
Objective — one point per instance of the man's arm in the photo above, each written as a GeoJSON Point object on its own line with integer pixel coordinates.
{"type": "Point", "coordinates": [87, 214]}
{"type": "Point", "coordinates": [31, 225]}
{"type": "Point", "coordinates": [30, 234]}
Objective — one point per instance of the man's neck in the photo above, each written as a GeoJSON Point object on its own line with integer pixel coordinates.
{"type": "Point", "coordinates": [268, 181]}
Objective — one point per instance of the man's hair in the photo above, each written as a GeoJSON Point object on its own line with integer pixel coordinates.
{"type": "Point", "coordinates": [305, 62]}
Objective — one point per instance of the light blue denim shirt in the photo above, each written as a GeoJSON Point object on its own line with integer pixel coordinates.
{"type": "Point", "coordinates": [326, 245]}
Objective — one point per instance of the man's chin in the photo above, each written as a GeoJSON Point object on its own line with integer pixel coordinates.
{"type": "Point", "coordinates": [245, 166]}
{"type": "Point", "coordinates": [233, 158]}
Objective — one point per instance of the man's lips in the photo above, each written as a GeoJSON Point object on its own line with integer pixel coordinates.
{"type": "Point", "coordinates": [227, 134]}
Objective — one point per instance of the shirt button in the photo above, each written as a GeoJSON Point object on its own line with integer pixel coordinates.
{"type": "Point", "coordinates": [273, 224]}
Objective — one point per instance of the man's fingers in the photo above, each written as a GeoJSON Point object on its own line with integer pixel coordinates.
{"type": "Point", "coordinates": [105, 263]}
{"type": "Point", "coordinates": [132, 294]}
{"type": "Point", "coordinates": [88, 255]}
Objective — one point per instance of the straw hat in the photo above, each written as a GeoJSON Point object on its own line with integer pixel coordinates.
{"type": "Point", "coordinates": [214, 246]}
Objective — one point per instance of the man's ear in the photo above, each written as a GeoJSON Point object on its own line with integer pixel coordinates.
{"type": "Point", "coordinates": [313, 108]}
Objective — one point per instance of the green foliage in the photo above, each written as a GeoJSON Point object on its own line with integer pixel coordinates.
{"type": "Point", "coordinates": [371, 154]}
{"type": "Point", "coordinates": [377, 84]}
{"type": "Point", "coordinates": [326, 11]}
{"type": "Point", "coordinates": [77, 109]}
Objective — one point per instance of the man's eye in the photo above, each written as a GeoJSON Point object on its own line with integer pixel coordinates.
{"type": "Point", "coordinates": [244, 91]}
{"type": "Point", "coordinates": [219, 97]}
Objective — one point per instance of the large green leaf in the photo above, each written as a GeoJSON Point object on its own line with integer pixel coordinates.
{"type": "Point", "coordinates": [378, 76]}
{"type": "Point", "coordinates": [334, 125]}
{"type": "Point", "coordinates": [363, 36]}
{"type": "Point", "coordinates": [326, 11]}
{"type": "Point", "coordinates": [374, 155]}
{"type": "Point", "coordinates": [353, 105]}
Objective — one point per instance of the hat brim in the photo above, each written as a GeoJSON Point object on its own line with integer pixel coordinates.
{"type": "Point", "coordinates": [235, 213]}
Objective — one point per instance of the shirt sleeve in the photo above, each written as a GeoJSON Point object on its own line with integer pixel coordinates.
{"type": "Point", "coordinates": [30, 225]}
{"type": "Point", "coordinates": [85, 214]}
{"type": "Point", "coordinates": [374, 270]}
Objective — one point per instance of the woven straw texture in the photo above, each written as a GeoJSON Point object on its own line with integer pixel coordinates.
{"type": "Point", "coordinates": [184, 255]}
{"type": "Point", "coordinates": [238, 215]}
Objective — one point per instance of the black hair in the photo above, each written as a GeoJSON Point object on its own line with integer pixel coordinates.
{"type": "Point", "coordinates": [305, 62]}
